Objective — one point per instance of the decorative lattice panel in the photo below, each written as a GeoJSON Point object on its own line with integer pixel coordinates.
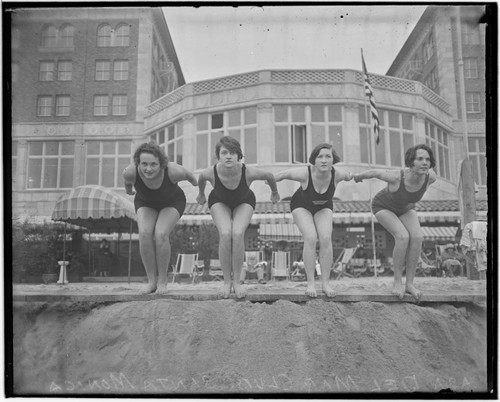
{"type": "Point", "coordinates": [381, 81]}
{"type": "Point", "coordinates": [435, 99]}
{"type": "Point", "coordinates": [308, 76]}
{"type": "Point", "coordinates": [235, 81]}
{"type": "Point", "coordinates": [166, 101]}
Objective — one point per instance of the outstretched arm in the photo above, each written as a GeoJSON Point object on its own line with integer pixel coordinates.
{"type": "Point", "coordinates": [342, 175]}
{"type": "Point", "coordinates": [129, 179]}
{"type": "Point", "coordinates": [296, 174]}
{"type": "Point", "coordinates": [261, 174]}
{"type": "Point", "coordinates": [389, 176]}
{"type": "Point", "coordinates": [179, 173]}
{"type": "Point", "coordinates": [202, 182]}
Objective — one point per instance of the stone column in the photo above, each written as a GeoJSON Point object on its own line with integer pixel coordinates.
{"type": "Point", "coordinates": [21, 167]}
{"type": "Point", "coordinates": [265, 134]}
{"type": "Point", "coordinates": [351, 133]}
{"type": "Point", "coordinates": [79, 165]}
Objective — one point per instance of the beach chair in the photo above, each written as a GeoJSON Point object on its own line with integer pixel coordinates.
{"type": "Point", "coordinates": [215, 271]}
{"type": "Point", "coordinates": [439, 260]}
{"type": "Point", "coordinates": [358, 266]}
{"type": "Point", "coordinates": [342, 261]}
{"type": "Point", "coordinates": [187, 264]}
{"type": "Point", "coordinates": [425, 269]}
{"type": "Point", "coordinates": [252, 258]}
{"type": "Point", "coordinates": [280, 263]}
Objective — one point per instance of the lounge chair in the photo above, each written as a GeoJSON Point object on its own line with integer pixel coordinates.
{"type": "Point", "coordinates": [187, 264]}
{"type": "Point", "coordinates": [280, 265]}
{"type": "Point", "coordinates": [215, 271]}
{"type": "Point", "coordinates": [342, 261]}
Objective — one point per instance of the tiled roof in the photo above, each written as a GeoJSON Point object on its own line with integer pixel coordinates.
{"type": "Point", "coordinates": [343, 206]}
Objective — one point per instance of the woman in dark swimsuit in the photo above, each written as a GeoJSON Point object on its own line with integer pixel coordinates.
{"type": "Point", "coordinates": [159, 204]}
{"type": "Point", "coordinates": [394, 208]}
{"type": "Point", "coordinates": [312, 210]}
{"type": "Point", "coordinates": [231, 204]}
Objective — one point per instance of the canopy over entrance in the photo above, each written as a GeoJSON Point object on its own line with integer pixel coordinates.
{"type": "Point", "coordinates": [99, 209]}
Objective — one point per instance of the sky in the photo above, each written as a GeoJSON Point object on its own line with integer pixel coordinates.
{"type": "Point", "coordinates": [214, 42]}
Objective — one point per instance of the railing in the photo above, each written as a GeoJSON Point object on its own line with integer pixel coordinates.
{"type": "Point", "coordinates": [292, 77]}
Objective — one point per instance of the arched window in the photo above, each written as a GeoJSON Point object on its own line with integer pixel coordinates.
{"type": "Point", "coordinates": [104, 36]}
{"type": "Point", "coordinates": [122, 35]}
{"type": "Point", "coordinates": [49, 36]}
{"type": "Point", "coordinates": [67, 33]}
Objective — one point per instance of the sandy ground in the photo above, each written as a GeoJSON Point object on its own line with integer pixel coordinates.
{"type": "Point", "coordinates": [173, 347]}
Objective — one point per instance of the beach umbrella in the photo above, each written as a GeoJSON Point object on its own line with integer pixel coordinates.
{"type": "Point", "coordinates": [99, 209]}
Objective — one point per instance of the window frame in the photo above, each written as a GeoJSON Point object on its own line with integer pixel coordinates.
{"type": "Point", "coordinates": [45, 107]}
{"type": "Point", "coordinates": [65, 107]}
{"type": "Point", "coordinates": [102, 73]}
{"type": "Point", "coordinates": [119, 108]}
{"type": "Point", "coordinates": [64, 74]}
{"type": "Point", "coordinates": [473, 100]}
{"type": "Point", "coordinates": [102, 106]}
{"type": "Point", "coordinates": [120, 74]}
{"type": "Point", "coordinates": [49, 73]}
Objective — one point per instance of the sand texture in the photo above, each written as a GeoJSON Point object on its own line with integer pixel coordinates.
{"type": "Point", "coordinates": [174, 347]}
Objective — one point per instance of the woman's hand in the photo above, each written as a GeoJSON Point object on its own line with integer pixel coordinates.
{"type": "Point", "coordinates": [357, 178]}
{"type": "Point", "coordinates": [201, 199]}
{"type": "Point", "coordinates": [275, 197]}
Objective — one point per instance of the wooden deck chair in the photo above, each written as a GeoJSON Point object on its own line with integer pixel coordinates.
{"type": "Point", "coordinates": [343, 260]}
{"type": "Point", "coordinates": [439, 259]}
{"type": "Point", "coordinates": [215, 270]}
{"type": "Point", "coordinates": [424, 268]}
{"type": "Point", "coordinates": [252, 258]}
{"type": "Point", "coordinates": [280, 265]}
{"type": "Point", "coordinates": [187, 264]}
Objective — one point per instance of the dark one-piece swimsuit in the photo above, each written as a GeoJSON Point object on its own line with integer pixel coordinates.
{"type": "Point", "coordinates": [399, 201]}
{"type": "Point", "coordinates": [167, 195]}
{"type": "Point", "coordinates": [310, 199]}
{"type": "Point", "coordinates": [231, 198]}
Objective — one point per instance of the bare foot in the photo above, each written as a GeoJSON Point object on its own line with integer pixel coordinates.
{"type": "Point", "coordinates": [238, 290]}
{"type": "Point", "coordinates": [417, 294]}
{"type": "Point", "coordinates": [398, 291]}
{"type": "Point", "coordinates": [328, 291]}
{"type": "Point", "coordinates": [162, 289]}
{"type": "Point", "coordinates": [149, 289]}
{"type": "Point", "coordinates": [311, 291]}
{"type": "Point", "coordinates": [225, 291]}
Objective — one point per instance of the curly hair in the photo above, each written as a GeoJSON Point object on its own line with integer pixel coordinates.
{"type": "Point", "coordinates": [315, 152]}
{"type": "Point", "coordinates": [231, 144]}
{"type": "Point", "coordinates": [153, 149]}
{"type": "Point", "coordinates": [411, 154]}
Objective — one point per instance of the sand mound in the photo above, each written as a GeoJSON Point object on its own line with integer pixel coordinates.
{"type": "Point", "coordinates": [171, 347]}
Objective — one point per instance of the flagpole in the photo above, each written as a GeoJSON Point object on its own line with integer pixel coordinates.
{"type": "Point", "coordinates": [371, 155]}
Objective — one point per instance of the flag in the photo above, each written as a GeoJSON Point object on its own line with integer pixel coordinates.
{"type": "Point", "coordinates": [371, 98]}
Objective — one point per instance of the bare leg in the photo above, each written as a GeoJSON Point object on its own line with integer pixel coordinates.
{"type": "Point", "coordinates": [391, 222]}
{"type": "Point", "coordinates": [324, 223]}
{"type": "Point", "coordinates": [146, 219]}
{"type": "Point", "coordinates": [305, 222]}
{"type": "Point", "coordinates": [410, 220]}
{"type": "Point", "coordinates": [242, 215]}
{"type": "Point", "coordinates": [221, 215]}
{"type": "Point", "coordinates": [165, 223]}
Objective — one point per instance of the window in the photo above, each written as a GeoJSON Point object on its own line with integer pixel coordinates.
{"type": "Point", "coordinates": [470, 34]}
{"type": "Point", "coordinates": [44, 106]}
{"type": "Point", "coordinates": [428, 48]}
{"type": "Point", "coordinates": [120, 71]}
{"type": "Point", "coordinates": [46, 71]}
{"type": "Point", "coordinates": [49, 36]}
{"type": "Point", "coordinates": [437, 139]}
{"type": "Point", "coordinates": [326, 126]}
{"type": "Point", "coordinates": [209, 130]}
{"type": "Point", "coordinates": [477, 154]}
{"type": "Point", "coordinates": [242, 125]}
{"type": "Point", "coordinates": [396, 136]}
{"type": "Point", "coordinates": [290, 134]}
{"type": "Point", "coordinates": [104, 36]}
{"type": "Point", "coordinates": [119, 105]}
{"type": "Point", "coordinates": [106, 161]}
{"type": "Point", "coordinates": [54, 37]}
{"type": "Point", "coordinates": [62, 105]}
{"type": "Point", "coordinates": [101, 105]}
{"type": "Point", "coordinates": [122, 35]}
{"type": "Point", "coordinates": [170, 139]}
{"type": "Point", "coordinates": [64, 69]}
{"type": "Point", "coordinates": [102, 70]}
{"type": "Point", "coordinates": [14, 162]}
{"type": "Point", "coordinates": [107, 36]}
{"type": "Point", "coordinates": [67, 36]}
{"type": "Point", "coordinates": [470, 68]}
{"type": "Point", "coordinates": [473, 102]}
{"type": "Point", "coordinates": [50, 164]}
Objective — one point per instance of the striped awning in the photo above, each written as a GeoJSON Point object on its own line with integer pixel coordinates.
{"type": "Point", "coordinates": [279, 232]}
{"type": "Point", "coordinates": [439, 233]}
{"type": "Point", "coordinates": [96, 208]}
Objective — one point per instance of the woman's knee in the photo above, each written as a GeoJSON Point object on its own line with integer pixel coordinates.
{"type": "Point", "coordinates": [237, 234]}
{"type": "Point", "coordinates": [162, 237]}
{"type": "Point", "coordinates": [310, 240]}
{"type": "Point", "coordinates": [225, 236]}
{"type": "Point", "coordinates": [325, 242]}
{"type": "Point", "coordinates": [402, 238]}
{"type": "Point", "coordinates": [146, 235]}
{"type": "Point", "coordinates": [416, 237]}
